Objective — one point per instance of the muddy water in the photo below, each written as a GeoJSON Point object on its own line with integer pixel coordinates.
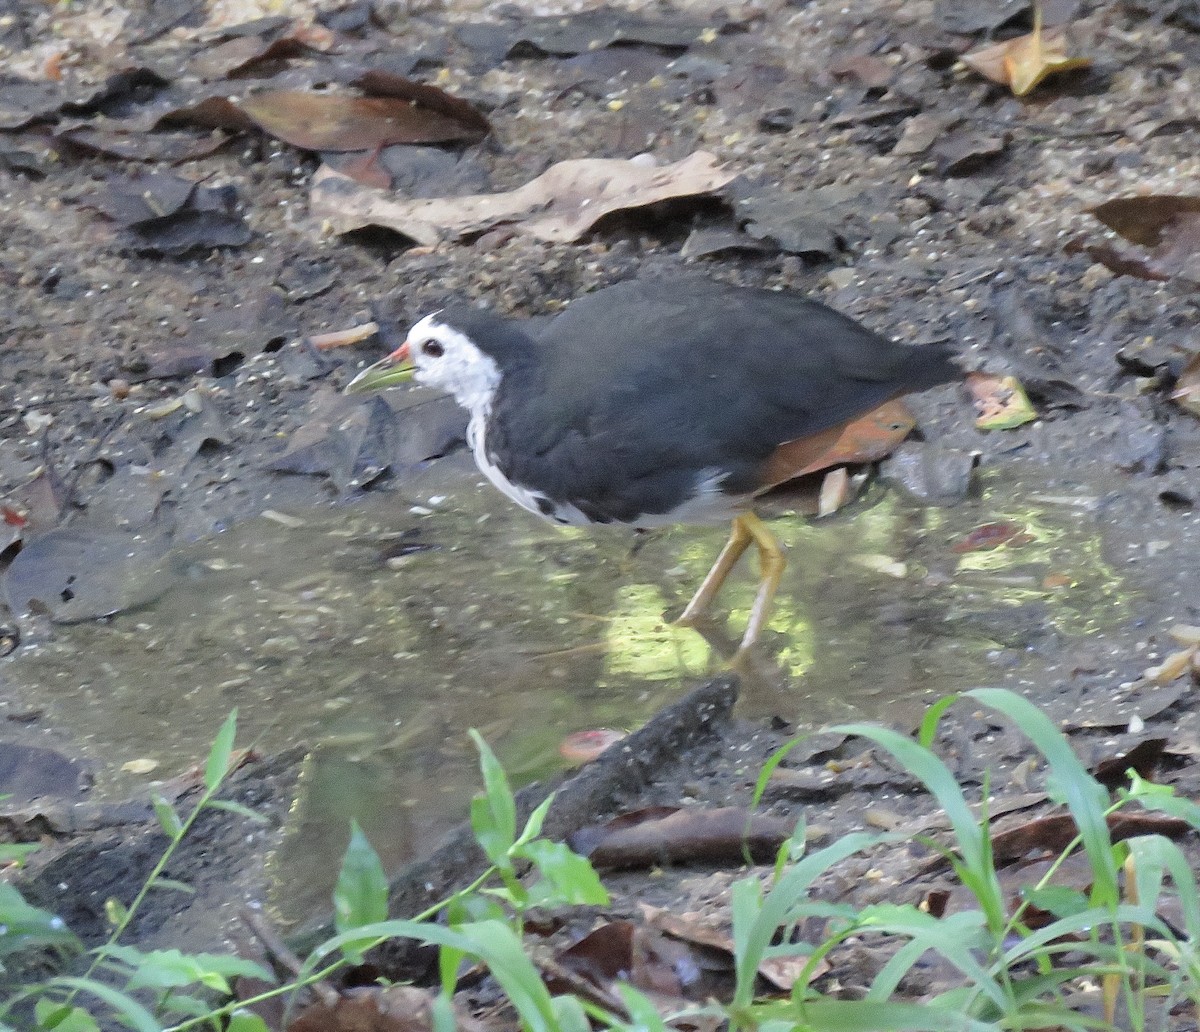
{"type": "Point", "coordinates": [377, 634]}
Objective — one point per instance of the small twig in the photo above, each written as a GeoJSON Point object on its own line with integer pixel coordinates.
{"type": "Point", "coordinates": [280, 955]}
{"type": "Point", "coordinates": [583, 987]}
{"type": "Point", "coordinates": [343, 338]}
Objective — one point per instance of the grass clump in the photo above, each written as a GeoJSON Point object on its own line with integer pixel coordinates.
{"type": "Point", "coordinates": [1012, 972]}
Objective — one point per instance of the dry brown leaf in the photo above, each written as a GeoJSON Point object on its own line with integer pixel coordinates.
{"type": "Point", "coordinates": [396, 1008]}
{"type": "Point", "coordinates": [990, 536]}
{"type": "Point", "coordinates": [398, 111]}
{"type": "Point", "coordinates": [1174, 666]}
{"type": "Point", "coordinates": [781, 971]}
{"type": "Point", "coordinates": [1022, 63]}
{"type": "Point", "coordinates": [560, 205]}
{"type": "Point", "coordinates": [1143, 218]}
{"type": "Point", "coordinates": [1187, 388]}
{"type": "Point", "coordinates": [664, 835]}
{"type": "Point", "coordinates": [337, 122]}
{"type": "Point", "coordinates": [869, 70]}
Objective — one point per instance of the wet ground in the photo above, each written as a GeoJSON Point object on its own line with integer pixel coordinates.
{"type": "Point", "coordinates": [174, 454]}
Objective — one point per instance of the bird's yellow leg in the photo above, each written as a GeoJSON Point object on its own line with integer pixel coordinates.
{"type": "Point", "coordinates": [740, 538]}
{"type": "Point", "coordinates": [772, 562]}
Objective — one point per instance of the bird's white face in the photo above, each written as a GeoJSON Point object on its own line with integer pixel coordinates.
{"type": "Point", "coordinates": [444, 358]}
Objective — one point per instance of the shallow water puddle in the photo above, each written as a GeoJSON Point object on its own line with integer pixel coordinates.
{"type": "Point", "coordinates": [485, 617]}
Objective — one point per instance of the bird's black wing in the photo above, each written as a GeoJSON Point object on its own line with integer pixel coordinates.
{"type": "Point", "coordinates": [646, 387]}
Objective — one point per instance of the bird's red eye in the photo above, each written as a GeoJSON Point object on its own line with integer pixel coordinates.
{"type": "Point", "coordinates": [433, 349]}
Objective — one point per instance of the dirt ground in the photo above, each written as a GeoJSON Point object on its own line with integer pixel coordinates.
{"type": "Point", "coordinates": [154, 394]}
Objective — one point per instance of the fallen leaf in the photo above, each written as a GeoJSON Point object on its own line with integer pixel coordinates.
{"type": "Point", "coordinates": [1174, 666]}
{"type": "Point", "coordinates": [585, 746]}
{"type": "Point", "coordinates": [141, 766]}
{"type": "Point", "coordinates": [920, 132]}
{"type": "Point", "coordinates": [580, 33]}
{"type": "Point", "coordinates": [1022, 63]}
{"type": "Point", "coordinates": [166, 214]}
{"type": "Point", "coordinates": [401, 111]}
{"type": "Point", "coordinates": [245, 55]}
{"type": "Point", "coordinates": [873, 436]}
{"type": "Point", "coordinates": [1144, 218]}
{"type": "Point", "coordinates": [990, 536]}
{"type": "Point", "coordinates": [336, 122]}
{"type": "Point", "coordinates": [798, 222]}
{"type": "Point", "coordinates": [379, 82]}
{"type": "Point", "coordinates": [659, 835]}
{"type": "Point", "coordinates": [135, 144]}
{"type": "Point", "coordinates": [1055, 833]}
{"type": "Point", "coordinates": [1187, 388]}
{"type": "Point", "coordinates": [869, 70]}
{"type": "Point", "coordinates": [560, 205]}
{"type": "Point", "coordinates": [395, 1008]}
{"type": "Point", "coordinates": [781, 971]}
{"type": "Point", "coordinates": [670, 971]}
{"type": "Point", "coordinates": [1143, 758]}
{"type": "Point", "coordinates": [970, 16]}
{"type": "Point", "coordinates": [1000, 401]}
{"type": "Point", "coordinates": [1167, 224]}
{"type": "Point", "coordinates": [962, 153]}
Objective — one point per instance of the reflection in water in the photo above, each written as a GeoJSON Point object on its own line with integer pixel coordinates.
{"type": "Point", "coordinates": [528, 633]}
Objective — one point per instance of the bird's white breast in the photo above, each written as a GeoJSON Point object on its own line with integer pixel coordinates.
{"type": "Point", "coordinates": [707, 504]}
{"type": "Point", "coordinates": [523, 496]}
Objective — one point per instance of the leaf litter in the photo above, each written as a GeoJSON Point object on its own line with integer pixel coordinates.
{"type": "Point", "coordinates": [869, 121]}
{"type": "Point", "coordinates": [561, 205]}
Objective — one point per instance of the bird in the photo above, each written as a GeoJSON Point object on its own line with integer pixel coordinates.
{"type": "Point", "coordinates": [655, 402]}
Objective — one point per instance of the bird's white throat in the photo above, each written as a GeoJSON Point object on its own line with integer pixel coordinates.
{"type": "Point", "coordinates": [462, 370]}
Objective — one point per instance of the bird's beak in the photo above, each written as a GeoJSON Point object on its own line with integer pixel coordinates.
{"type": "Point", "coordinates": [387, 372]}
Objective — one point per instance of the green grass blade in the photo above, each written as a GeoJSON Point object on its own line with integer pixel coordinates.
{"type": "Point", "coordinates": [754, 923]}
{"type": "Point", "coordinates": [492, 942]}
{"type": "Point", "coordinates": [246, 1021]}
{"type": "Point", "coordinates": [361, 894]}
{"type": "Point", "coordinates": [494, 815]}
{"type": "Point", "coordinates": [873, 1016]}
{"type": "Point", "coordinates": [1157, 851]}
{"type": "Point", "coordinates": [124, 1007]}
{"type": "Point", "coordinates": [219, 755]}
{"type": "Point", "coordinates": [1084, 796]}
{"type": "Point", "coordinates": [933, 717]}
{"type": "Point", "coordinates": [168, 819]}
{"type": "Point", "coordinates": [971, 838]}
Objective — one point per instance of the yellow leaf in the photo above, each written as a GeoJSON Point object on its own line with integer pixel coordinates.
{"type": "Point", "coordinates": [1022, 63]}
{"type": "Point", "coordinates": [1000, 401]}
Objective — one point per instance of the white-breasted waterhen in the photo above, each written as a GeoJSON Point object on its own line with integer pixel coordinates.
{"type": "Point", "coordinates": [662, 401]}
